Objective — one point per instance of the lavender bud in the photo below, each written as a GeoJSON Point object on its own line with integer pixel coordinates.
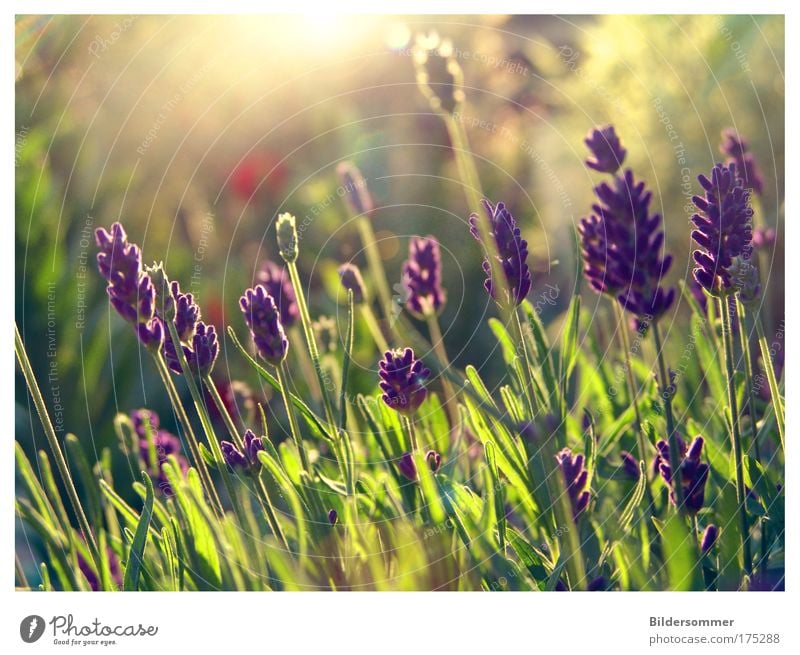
{"type": "Point", "coordinates": [351, 279]}
{"type": "Point", "coordinates": [439, 75]}
{"type": "Point", "coordinates": [233, 456]}
{"type": "Point", "coordinates": [709, 538]}
{"type": "Point", "coordinates": [511, 252]}
{"type": "Point", "coordinates": [630, 465]}
{"type": "Point", "coordinates": [434, 460]}
{"type": "Point", "coordinates": [355, 187]}
{"type": "Point", "coordinates": [333, 517]}
{"type": "Point", "coordinates": [607, 152]}
{"type": "Point", "coordinates": [287, 237]}
{"type": "Point", "coordinates": [186, 312]}
{"type": "Point", "coordinates": [576, 479]}
{"type": "Point", "coordinates": [694, 473]}
{"type": "Point", "coordinates": [252, 446]}
{"type": "Point", "coordinates": [746, 280]}
{"type": "Point", "coordinates": [401, 379]}
{"type": "Point", "coordinates": [407, 467]}
{"type": "Point", "coordinates": [422, 277]}
{"type": "Point", "coordinates": [738, 153]}
{"type": "Point", "coordinates": [263, 319]}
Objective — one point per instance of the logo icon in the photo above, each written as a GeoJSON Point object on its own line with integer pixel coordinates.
{"type": "Point", "coordinates": [31, 628]}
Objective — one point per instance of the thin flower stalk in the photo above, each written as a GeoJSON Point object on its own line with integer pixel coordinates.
{"type": "Point", "coordinates": [774, 390]}
{"type": "Point", "coordinates": [736, 439]}
{"type": "Point", "coordinates": [744, 337]}
{"type": "Point", "coordinates": [55, 448]}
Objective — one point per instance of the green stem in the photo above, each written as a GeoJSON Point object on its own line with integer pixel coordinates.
{"type": "Point", "coordinates": [437, 340]}
{"type": "Point", "coordinates": [672, 435]}
{"type": "Point", "coordinates": [744, 337]}
{"type": "Point", "coordinates": [375, 330]}
{"type": "Point", "coordinates": [311, 342]}
{"type": "Point", "coordinates": [774, 391]}
{"type": "Point", "coordinates": [295, 429]}
{"type": "Point", "coordinates": [55, 447]}
{"type": "Point", "coordinates": [736, 439]}
{"type": "Point", "coordinates": [640, 436]}
{"type": "Point", "coordinates": [530, 393]}
{"type": "Point", "coordinates": [412, 435]}
{"type": "Point", "coordinates": [375, 265]}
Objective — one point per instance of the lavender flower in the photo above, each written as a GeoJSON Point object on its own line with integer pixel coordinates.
{"type": "Point", "coordinates": [275, 280]}
{"type": "Point", "coordinates": [434, 460]}
{"type": "Point", "coordinates": [246, 460]}
{"type": "Point", "coordinates": [200, 355]}
{"type": "Point", "coordinates": [407, 467]}
{"type": "Point", "coordinates": [422, 277]}
{"type": "Point", "coordinates": [723, 228]}
{"type": "Point", "coordinates": [746, 280]}
{"type": "Point", "coordinates": [621, 242]}
{"type": "Point", "coordinates": [694, 473]}
{"type": "Point", "coordinates": [333, 517]}
{"type": "Point", "coordinates": [357, 194]}
{"type": "Point", "coordinates": [130, 291]}
{"type": "Point", "coordinates": [264, 321]}
{"type": "Point", "coordinates": [351, 279]}
{"type": "Point", "coordinates": [576, 479]}
{"type": "Point", "coordinates": [739, 153]}
{"type": "Point", "coordinates": [187, 312]}
{"type": "Point", "coordinates": [512, 251]}
{"type": "Point", "coordinates": [709, 538]}
{"type": "Point", "coordinates": [607, 152]}
{"type": "Point", "coordinates": [402, 377]}
{"type": "Point", "coordinates": [288, 244]}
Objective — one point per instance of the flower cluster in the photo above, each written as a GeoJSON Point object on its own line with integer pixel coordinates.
{"type": "Point", "coordinates": [694, 473]}
{"type": "Point", "coordinates": [576, 479]}
{"type": "Point", "coordinates": [198, 340]}
{"type": "Point", "coordinates": [510, 250]}
{"type": "Point", "coordinates": [350, 277]}
{"type": "Point", "coordinates": [422, 277]}
{"type": "Point", "coordinates": [275, 279]}
{"type": "Point", "coordinates": [355, 188]}
{"type": "Point", "coordinates": [130, 290]}
{"type": "Point", "coordinates": [402, 377]}
{"type": "Point", "coordinates": [247, 460]}
{"type": "Point", "coordinates": [264, 321]}
{"type": "Point", "coordinates": [439, 75]}
{"type": "Point", "coordinates": [723, 228]}
{"type": "Point", "coordinates": [621, 241]}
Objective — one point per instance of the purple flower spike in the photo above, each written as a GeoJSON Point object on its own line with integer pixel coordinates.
{"type": "Point", "coordinates": [355, 188]}
{"type": "Point", "coordinates": [351, 279]}
{"type": "Point", "coordinates": [434, 460]}
{"type": "Point", "coordinates": [694, 473]}
{"type": "Point", "coordinates": [407, 467]}
{"type": "Point", "coordinates": [621, 246]}
{"type": "Point", "coordinates": [333, 517]}
{"type": "Point", "coordinates": [511, 252]}
{"type": "Point", "coordinates": [264, 321]}
{"type": "Point", "coordinates": [402, 377]}
{"type": "Point", "coordinates": [630, 465]}
{"type": "Point", "coordinates": [422, 277]}
{"type": "Point", "coordinates": [205, 349]}
{"type": "Point", "coordinates": [233, 456]}
{"type": "Point", "coordinates": [252, 446]}
{"type": "Point", "coordinates": [739, 153]}
{"type": "Point", "coordinates": [709, 538]}
{"type": "Point", "coordinates": [723, 228]}
{"type": "Point", "coordinates": [275, 279]}
{"type": "Point", "coordinates": [130, 291]}
{"type": "Point", "coordinates": [576, 479]}
{"type": "Point", "coordinates": [187, 313]}
{"type": "Point", "coordinates": [607, 152]}
{"type": "Point", "coordinates": [163, 445]}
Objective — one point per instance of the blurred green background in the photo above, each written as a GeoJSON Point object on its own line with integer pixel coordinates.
{"type": "Point", "coordinates": [196, 131]}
